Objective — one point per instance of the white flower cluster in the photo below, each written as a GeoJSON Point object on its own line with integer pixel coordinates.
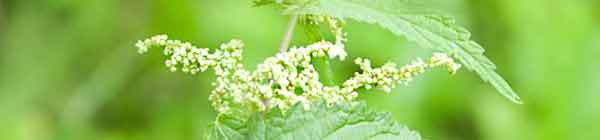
{"type": "Point", "coordinates": [388, 76]}
{"type": "Point", "coordinates": [143, 45]}
{"type": "Point", "coordinates": [192, 59]}
{"type": "Point", "coordinates": [285, 79]}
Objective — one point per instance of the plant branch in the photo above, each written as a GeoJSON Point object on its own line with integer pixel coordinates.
{"type": "Point", "coordinates": [288, 34]}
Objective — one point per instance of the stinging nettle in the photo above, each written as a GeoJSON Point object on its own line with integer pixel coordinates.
{"type": "Point", "coordinates": [275, 82]}
{"type": "Point", "coordinates": [284, 97]}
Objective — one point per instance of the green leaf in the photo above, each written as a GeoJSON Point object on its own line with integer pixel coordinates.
{"type": "Point", "coordinates": [341, 122]}
{"type": "Point", "coordinates": [424, 28]}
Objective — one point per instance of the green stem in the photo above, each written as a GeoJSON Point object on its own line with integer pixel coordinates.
{"type": "Point", "coordinates": [288, 34]}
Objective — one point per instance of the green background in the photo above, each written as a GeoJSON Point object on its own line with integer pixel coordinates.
{"type": "Point", "coordinates": [69, 71]}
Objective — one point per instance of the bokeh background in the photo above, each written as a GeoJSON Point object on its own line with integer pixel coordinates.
{"type": "Point", "coordinates": [69, 71]}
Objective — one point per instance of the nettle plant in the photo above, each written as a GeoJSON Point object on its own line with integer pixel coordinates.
{"type": "Point", "coordinates": [290, 95]}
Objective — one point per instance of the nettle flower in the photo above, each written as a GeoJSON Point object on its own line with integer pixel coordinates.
{"type": "Point", "coordinates": [287, 78]}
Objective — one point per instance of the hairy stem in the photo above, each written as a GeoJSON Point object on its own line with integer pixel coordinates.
{"type": "Point", "coordinates": [288, 34]}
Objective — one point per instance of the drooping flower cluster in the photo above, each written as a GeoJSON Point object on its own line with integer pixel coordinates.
{"type": "Point", "coordinates": [191, 59]}
{"type": "Point", "coordinates": [285, 79]}
{"type": "Point", "coordinates": [388, 76]}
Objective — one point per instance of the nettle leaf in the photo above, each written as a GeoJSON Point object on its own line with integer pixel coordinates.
{"type": "Point", "coordinates": [427, 30]}
{"type": "Point", "coordinates": [345, 122]}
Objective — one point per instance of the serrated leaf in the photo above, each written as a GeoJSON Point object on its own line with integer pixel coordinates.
{"type": "Point", "coordinates": [427, 30]}
{"type": "Point", "coordinates": [347, 122]}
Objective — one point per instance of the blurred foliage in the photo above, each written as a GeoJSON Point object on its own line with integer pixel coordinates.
{"type": "Point", "coordinates": [69, 71]}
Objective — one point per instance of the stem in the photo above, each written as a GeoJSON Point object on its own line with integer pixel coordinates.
{"type": "Point", "coordinates": [288, 34]}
